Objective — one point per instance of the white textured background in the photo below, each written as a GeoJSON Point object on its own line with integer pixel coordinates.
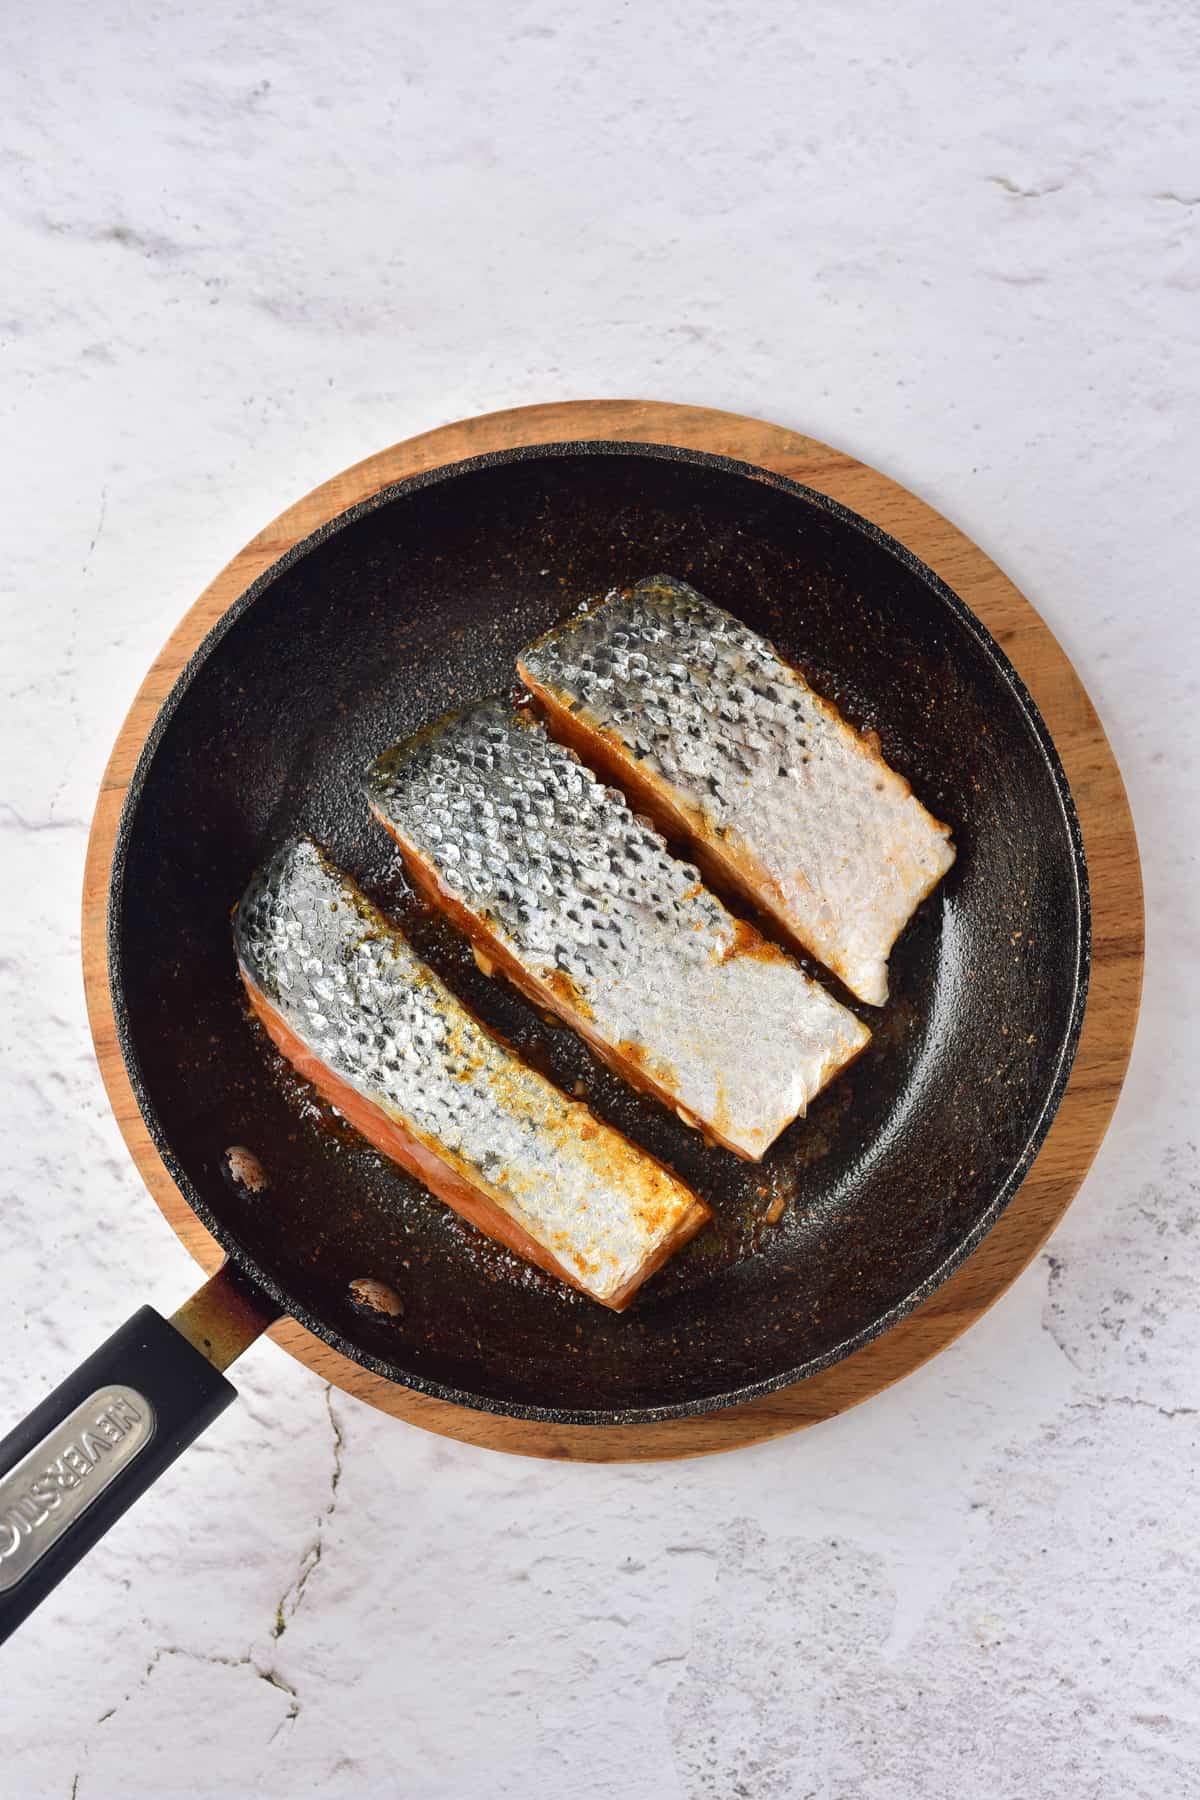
{"type": "Point", "coordinates": [245, 244]}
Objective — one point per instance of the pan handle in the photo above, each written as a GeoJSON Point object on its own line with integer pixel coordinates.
{"type": "Point", "coordinates": [106, 1434]}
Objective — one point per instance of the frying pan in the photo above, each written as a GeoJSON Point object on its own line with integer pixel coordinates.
{"type": "Point", "coordinates": [399, 609]}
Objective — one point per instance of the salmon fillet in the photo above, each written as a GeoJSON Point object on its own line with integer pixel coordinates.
{"type": "Point", "coordinates": [725, 744]}
{"type": "Point", "coordinates": [580, 904]}
{"type": "Point", "coordinates": [344, 997]}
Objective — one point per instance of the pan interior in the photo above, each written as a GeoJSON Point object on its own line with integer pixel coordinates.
{"type": "Point", "coordinates": [420, 602]}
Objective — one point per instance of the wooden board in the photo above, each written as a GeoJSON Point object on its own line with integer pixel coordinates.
{"type": "Point", "coordinates": [1112, 860]}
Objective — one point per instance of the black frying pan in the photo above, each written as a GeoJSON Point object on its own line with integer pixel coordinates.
{"type": "Point", "coordinates": [411, 603]}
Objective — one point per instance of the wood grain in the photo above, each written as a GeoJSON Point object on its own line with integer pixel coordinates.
{"type": "Point", "coordinates": [1112, 860]}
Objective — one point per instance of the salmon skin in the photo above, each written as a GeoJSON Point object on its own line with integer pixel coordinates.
{"type": "Point", "coordinates": [345, 998]}
{"type": "Point", "coordinates": [580, 903]}
{"type": "Point", "coordinates": [727, 746]}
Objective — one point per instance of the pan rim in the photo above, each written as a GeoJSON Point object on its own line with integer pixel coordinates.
{"type": "Point", "coordinates": [962, 616]}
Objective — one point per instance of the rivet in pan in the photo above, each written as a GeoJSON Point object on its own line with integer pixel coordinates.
{"type": "Point", "coordinates": [243, 1169]}
{"type": "Point", "coordinates": [376, 1296]}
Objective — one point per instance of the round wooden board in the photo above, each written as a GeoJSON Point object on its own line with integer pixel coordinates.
{"type": "Point", "coordinates": [1112, 861]}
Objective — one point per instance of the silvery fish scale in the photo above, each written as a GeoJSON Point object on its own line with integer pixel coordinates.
{"type": "Point", "coordinates": [350, 987]}
{"type": "Point", "coordinates": [804, 813]}
{"type": "Point", "coordinates": [625, 941]}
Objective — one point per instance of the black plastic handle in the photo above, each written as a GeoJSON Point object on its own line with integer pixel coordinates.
{"type": "Point", "coordinates": [85, 1454]}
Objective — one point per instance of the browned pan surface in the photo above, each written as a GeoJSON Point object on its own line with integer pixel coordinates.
{"type": "Point", "coordinates": [418, 601]}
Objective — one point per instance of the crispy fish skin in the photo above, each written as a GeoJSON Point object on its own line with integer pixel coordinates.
{"type": "Point", "coordinates": [725, 744]}
{"type": "Point", "coordinates": [582, 906]}
{"type": "Point", "coordinates": [346, 999]}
